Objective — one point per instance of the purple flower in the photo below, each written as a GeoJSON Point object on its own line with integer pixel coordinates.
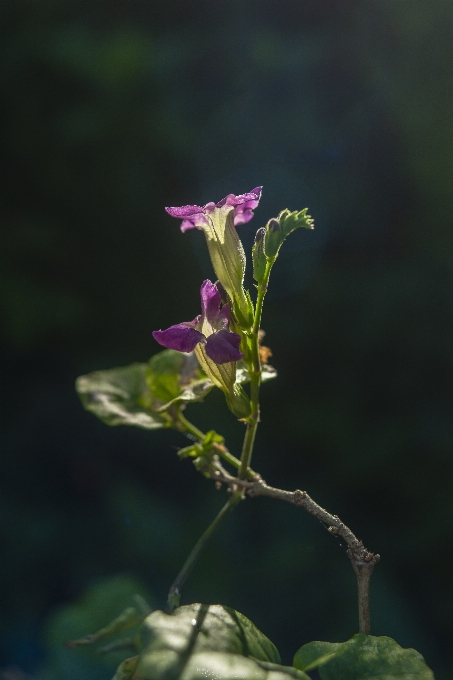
{"type": "Point", "coordinates": [218, 221]}
{"type": "Point", "coordinates": [197, 217]}
{"type": "Point", "coordinates": [210, 328]}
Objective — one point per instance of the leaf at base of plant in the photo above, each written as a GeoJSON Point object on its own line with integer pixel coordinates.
{"type": "Point", "coordinates": [361, 658]}
{"type": "Point", "coordinates": [198, 641]}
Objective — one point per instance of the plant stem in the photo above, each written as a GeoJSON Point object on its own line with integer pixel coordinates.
{"type": "Point", "coordinates": [247, 448]}
{"type": "Point", "coordinates": [363, 571]}
{"type": "Point", "coordinates": [255, 377]}
{"type": "Point", "coordinates": [175, 590]}
{"type": "Point", "coordinates": [362, 560]}
{"type": "Point", "coordinates": [220, 449]}
{"type": "Point", "coordinates": [190, 427]}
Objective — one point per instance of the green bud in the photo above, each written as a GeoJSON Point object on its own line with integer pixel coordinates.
{"type": "Point", "coordinates": [259, 256]}
{"type": "Point", "coordinates": [238, 402]}
{"type": "Point", "coordinates": [273, 238]}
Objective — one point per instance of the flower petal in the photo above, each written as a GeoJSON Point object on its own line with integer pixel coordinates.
{"type": "Point", "coordinates": [192, 216]}
{"type": "Point", "coordinates": [244, 204]}
{"type": "Point", "coordinates": [250, 200]}
{"type": "Point", "coordinates": [223, 317]}
{"type": "Point", "coordinates": [210, 301]}
{"type": "Point", "coordinates": [185, 211]}
{"type": "Point", "coordinates": [181, 337]}
{"type": "Point", "coordinates": [223, 347]}
{"type": "Point", "coordinates": [242, 216]}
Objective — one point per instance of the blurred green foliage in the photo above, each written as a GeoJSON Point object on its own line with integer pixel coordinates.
{"type": "Point", "coordinates": [112, 110]}
{"type": "Point", "coordinates": [101, 603]}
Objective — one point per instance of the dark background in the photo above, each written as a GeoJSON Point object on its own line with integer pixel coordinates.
{"type": "Point", "coordinates": [112, 110]}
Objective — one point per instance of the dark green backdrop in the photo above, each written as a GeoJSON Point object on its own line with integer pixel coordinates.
{"type": "Point", "coordinates": [112, 110]}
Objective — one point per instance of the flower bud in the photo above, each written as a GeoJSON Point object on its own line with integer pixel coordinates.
{"type": "Point", "coordinates": [259, 256]}
{"type": "Point", "coordinates": [273, 238]}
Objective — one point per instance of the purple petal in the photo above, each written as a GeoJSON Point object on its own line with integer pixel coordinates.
{"type": "Point", "coordinates": [223, 317]}
{"type": "Point", "coordinates": [223, 347]}
{"type": "Point", "coordinates": [192, 216]}
{"type": "Point", "coordinates": [210, 300]}
{"type": "Point", "coordinates": [242, 216]}
{"type": "Point", "coordinates": [244, 204]}
{"type": "Point", "coordinates": [250, 200]}
{"type": "Point", "coordinates": [181, 337]}
{"type": "Point", "coordinates": [186, 225]}
{"type": "Point", "coordinates": [185, 211]}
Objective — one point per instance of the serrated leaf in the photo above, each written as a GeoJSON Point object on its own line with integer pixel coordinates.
{"type": "Point", "coordinates": [208, 641]}
{"type": "Point", "coordinates": [290, 221]}
{"type": "Point", "coordinates": [278, 229]}
{"type": "Point", "coordinates": [361, 658]}
{"type": "Point", "coordinates": [120, 396]}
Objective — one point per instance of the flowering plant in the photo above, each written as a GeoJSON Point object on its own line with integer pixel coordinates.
{"type": "Point", "coordinates": [221, 348]}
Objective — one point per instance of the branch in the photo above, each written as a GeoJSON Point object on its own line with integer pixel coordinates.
{"type": "Point", "coordinates": [362, 560]}
{"type": "Point", "coordinates": [302, 499]}
{"type": "Point", "coordinates": [218, 473]}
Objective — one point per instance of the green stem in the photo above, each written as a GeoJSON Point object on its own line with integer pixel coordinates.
{"type": "Point", "coordinates": [219, 448]}
{"type": "Point", "coordinates": [190, 427]}
{"type": "Point", "coordinates": [175, 590]}
{"type": "Point", "coordinates": [255, 377]}
{"type": "Point", "coordinates": [262, 290]}
{"type": "Point", "coordinates": [244, 464]}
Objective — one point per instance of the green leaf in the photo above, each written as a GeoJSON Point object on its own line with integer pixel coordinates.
{"type": "Point", "coordinates": [290, 221]}
{"type": "Point", "coordinates": [315, 654]}
{"type": "Point", "coordinates": [100, 604]}
{"type": "Point", "coordinates": [212, 438]}
{"type": "Point", "coordinates": [191, 451]}
{"type": "Point", "coordinates": [208, 641]}
{"type": "Point", "coordinates": [361, 658]}
{"type": "Point", "coordinates": [278, 229]}
{"type": "Point", "coordinates": [120, 396]}
{"type": "Point", "coordinates": [173, 377]}
{"type": "Point", "coordinates": [128, 619]}
{"type": "Point", "coordinates": [163, 374]}
{"type": "Point", "coordinates": [140, 394]}
{"type": "Point", "coordinates": [126, 669]}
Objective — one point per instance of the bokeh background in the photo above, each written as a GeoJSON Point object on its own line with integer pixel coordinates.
{"type": "Point", "coordinates": [112, 110]}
